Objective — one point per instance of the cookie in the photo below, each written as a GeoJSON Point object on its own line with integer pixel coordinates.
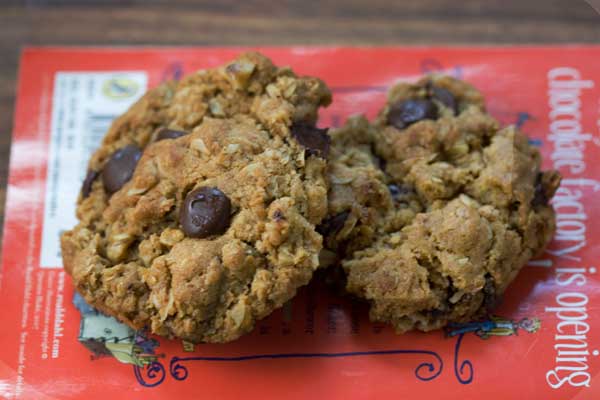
{"type": "Point", "coordinates": [434, 208]}
{"type": "Point", "coordinates": [198, 214]}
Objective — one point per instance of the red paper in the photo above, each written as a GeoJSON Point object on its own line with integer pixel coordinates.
{"type": "Point", "coordinates": [543, 343]}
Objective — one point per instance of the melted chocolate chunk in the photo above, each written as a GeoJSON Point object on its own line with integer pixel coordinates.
{"type": "Point", "coordinates": [315, 140]}
{"type": "Point", "coordinates": [169, 134]}
{"type": "Point", "coordinates": [445, 97]}
{"type": "Point", "coordinates": [407, 112]}
{"type": "Point", "coordinates": [205, 212]}
{"type": "Point", "coordinates": [86, 187]}
{"type": "Point", "coordinates": [333, 225]}
{"type": "Point", "coordinates": [120, 167]}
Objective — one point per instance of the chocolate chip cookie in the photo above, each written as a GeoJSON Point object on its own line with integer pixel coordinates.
{"type": "Point", "coordinates": [434, 208]}
{"type": "Point", "coordinates": [198, 213]}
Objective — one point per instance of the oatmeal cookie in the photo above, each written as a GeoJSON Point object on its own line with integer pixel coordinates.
{"type": "Point", "coordinates": [434, 208]}
{"type": "Point", "coordinates": [198, 215]}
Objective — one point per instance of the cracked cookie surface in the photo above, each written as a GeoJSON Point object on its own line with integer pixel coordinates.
{"type": "Point", "coordinates": [434, 208]}
{"type": "Point", "coordinates": [198, 215]}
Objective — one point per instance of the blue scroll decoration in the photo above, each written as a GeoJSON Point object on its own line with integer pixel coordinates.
{"type": "Point", "coordinates": [464, 371]}
{"type": "Point", "coordinates": [430, 368]}
{"type": "Point", "coordinates": [150, 375]}
{"type": "Point", "coordinates": [425, 371]}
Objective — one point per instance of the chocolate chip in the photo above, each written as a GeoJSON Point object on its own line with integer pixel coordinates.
{"type": "Point", "coordinates": [394, 190]}
{"type": "Point", "coordinates": [278, 216]}
{"type": "Point", "coordinates": [333, 225]}
{"type": "Point", "coordinates": [86, 187]}
{"type": "Point", "coordinates": [539, 195]}
{"type": "Point", "coordinates": [315, 140]}
{"type": "Point", "coordinates": [402, 194]}
{"type": "Point", "coordinates": [205, 211]}
{"type": "Point", "coordinates": [169, 134]}
{"type": "Point", "coordinates": [405, 113]}
{"type": "Point", "coordinates": [445, 97]}
{"type": "Point", "coordinates": [399, 191]}
{"type": "Point", "coordinates": [119, 168]}
{"type": "Point", "coordinates": [491, 299]}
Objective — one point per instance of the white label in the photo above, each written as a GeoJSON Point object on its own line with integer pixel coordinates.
{"type": "Point", "coordinates": [83, 106]}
